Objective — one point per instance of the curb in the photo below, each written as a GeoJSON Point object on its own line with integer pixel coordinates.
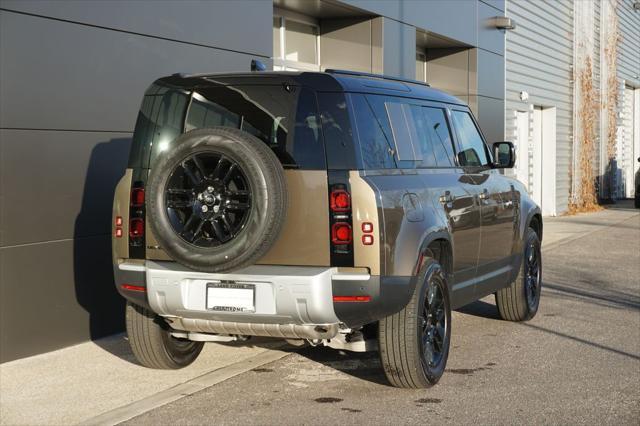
{"type": "Point", "coordinates": [190, 387]}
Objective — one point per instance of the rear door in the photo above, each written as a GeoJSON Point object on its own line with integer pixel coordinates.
{"type": "Point", "coordinates": [497, 199]}
{"type": "Point", "coordinates": [406, 151]}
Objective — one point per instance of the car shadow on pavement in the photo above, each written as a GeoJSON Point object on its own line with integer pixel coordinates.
{"type": "Point", "coordinates": [480, 308]}
{"type": "Point", "coordinates": [362, 365]}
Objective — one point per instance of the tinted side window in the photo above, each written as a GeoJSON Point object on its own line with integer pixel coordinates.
{"type": "Point", "coordinates": [439, 136]}
{"type": "Point", "coordinates": [375, 146]}
{"type": "Point", "coordinates": [395, 121]}
{"type": "Point", "coordinates": [472, 151]}
{"type": "Point", "coordinates": [169, 121]}
{"type": "Point", "coordinates": [287, 121]}
{"type": "Point", "coordinates": [336, 127]}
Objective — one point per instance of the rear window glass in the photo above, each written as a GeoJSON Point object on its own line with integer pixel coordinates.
{"type": "Point", "coordinates": [376, 146]}
{"type": "Point", "coordinates": [287, 121]}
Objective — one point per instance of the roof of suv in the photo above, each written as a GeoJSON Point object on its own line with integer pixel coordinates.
{"type": "Point", "coordinates": [333, 81]}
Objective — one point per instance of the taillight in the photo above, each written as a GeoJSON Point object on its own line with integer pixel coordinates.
{"type": "Point", "coordinates": [341, 233]}
{"type": "Point", "coordinates": [340, 200]}
{"type": "Point", "coordinates": [137, 197]}
{"type": "Point", "coordinates": [136, 227]}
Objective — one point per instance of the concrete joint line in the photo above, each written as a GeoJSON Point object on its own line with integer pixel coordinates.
{"type": "Point", "coordinates": [190, 387]}
{"type": "Point", "coordinates": [584, 234]}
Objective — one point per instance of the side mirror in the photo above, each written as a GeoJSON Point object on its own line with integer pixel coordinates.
{"type": "Point", "coordinates": [504, 155]}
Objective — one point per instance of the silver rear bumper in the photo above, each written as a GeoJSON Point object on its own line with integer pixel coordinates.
{"type": "Point", "coordinates": [290, 301]}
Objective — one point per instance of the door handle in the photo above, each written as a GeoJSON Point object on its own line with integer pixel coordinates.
{"type": "Point", "coordinates": [484, 194]}
{"type": "Point", "coordinates": [447, 198]}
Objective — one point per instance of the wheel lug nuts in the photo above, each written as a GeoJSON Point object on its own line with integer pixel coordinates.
{"type": "Point", "coordinates": [205, 209]}
{"type": "Point", "coordinates": [210, 188]}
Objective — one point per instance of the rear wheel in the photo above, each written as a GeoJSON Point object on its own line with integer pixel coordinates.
{"type": "Point", "coordinates": [520, 301]}
{"type": "Point", "coordinates": [152, 343]}
{"type": "Point", "coordinates": [414, 343]}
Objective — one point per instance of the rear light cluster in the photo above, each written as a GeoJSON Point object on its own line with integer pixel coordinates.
{"type": "Point", "coordinates": [136, 216]}
{"type": "Point", "coordinates": [341, 232]}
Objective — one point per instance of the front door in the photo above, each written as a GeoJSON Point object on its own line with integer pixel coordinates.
{"type": "Point", "coordinates": [497, 200]}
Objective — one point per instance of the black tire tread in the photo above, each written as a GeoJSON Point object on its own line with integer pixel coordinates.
{"type": "Point", "coordinates": [398, 346]}
{"type": "Point", "coordinates": [511, 301]}
{"type": "Point", "coordinates": [146, 340]}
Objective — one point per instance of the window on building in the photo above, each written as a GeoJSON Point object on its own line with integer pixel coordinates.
{"type": "Point", "coordinates": [295, 43]}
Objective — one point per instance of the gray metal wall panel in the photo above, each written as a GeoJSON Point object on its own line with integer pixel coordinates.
{"type": "Point", "coordinates": [539, 55]}
{"type": "Point", "coordinates": [490, 117]}
{"type": "Point", "coordinates": [57, 75]}
{"type": "Point", "coordinates": [629, 47]}
{"type": "Point", "coordinates": [238, 25]}
{"type": "Point", "coordinates": [58, 184]}
{"type": "Point", "coordinates": [498, 4]}
{"type": "Point", "coordinates": [489, 37]}
{"type": "Point", "coordinates": [56, 294]}
{"type": "Point", "coordinates": [454, 19]}
{"type": "Point", "coordinates": [490, 74]}
{"type": "Point", "coordinates": [399, 49]}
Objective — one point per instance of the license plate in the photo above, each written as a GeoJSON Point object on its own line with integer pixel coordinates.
{"type": "Point", "coordinates": [231, 297]}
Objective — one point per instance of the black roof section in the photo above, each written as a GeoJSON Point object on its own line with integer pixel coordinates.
{"type": "Point", "coordinates": [330, 81]}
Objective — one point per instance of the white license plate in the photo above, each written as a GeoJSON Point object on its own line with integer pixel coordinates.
{"type": "Point", "coordinates": [231, 297]}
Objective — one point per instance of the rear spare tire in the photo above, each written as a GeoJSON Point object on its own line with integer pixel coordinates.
{"type": "Point", "coordinates": [217, 200]}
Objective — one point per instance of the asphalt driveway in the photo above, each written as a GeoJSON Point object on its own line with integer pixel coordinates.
{"type": "Point", "coordinates": [576, 362]}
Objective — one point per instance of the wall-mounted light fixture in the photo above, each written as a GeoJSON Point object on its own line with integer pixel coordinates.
{"type": "Point", "coordinates": [504, 23]}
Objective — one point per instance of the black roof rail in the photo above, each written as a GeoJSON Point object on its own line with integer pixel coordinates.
{"type": "Point", "coordinates": [368, 74]}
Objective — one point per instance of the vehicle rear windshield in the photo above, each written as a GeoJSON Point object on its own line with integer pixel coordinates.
{"type": "Point", "coordinates": [285, 118]}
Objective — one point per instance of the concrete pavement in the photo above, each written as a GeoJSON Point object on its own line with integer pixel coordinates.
{"type": "Point", "coordinates": [577, 361]}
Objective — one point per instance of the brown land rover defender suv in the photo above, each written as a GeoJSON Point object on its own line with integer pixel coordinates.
{"type": "Point", "coordinates": [341, 209]}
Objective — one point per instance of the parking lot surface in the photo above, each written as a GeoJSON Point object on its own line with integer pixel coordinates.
{"type": "Point", "coordinates": [576, 362]}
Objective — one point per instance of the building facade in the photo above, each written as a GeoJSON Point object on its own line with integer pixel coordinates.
{"type": "Point", "coordinates": [573, 98]}
{"type": "Point", "coordinates": [72, 75]}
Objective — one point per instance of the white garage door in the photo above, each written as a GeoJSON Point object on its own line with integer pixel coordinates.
{"type": "Point", "coordinates": [629, 150]}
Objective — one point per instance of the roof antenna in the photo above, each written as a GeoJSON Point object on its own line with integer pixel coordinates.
{"type": "Point", "coordinates": [256, 65]}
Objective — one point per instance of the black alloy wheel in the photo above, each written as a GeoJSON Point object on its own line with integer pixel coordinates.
{"type": "Point", "coordinates": [434, 326]}
{"type": "Point", "coordinates": [208, 199]}
{"type": "Point", "coordinates": [532, 274]}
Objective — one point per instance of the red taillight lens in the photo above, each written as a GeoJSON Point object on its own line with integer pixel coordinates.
{"type": "Point", "coordinates": [340, 200]}
{"type": "Point", "coordinates": [367, 227]}
{"type": "Point", "coordinates": [351, 298]}
{"type": "Point", "coordinates": [118, 232]}
{"type": "Point", "coordinates": [136, 227]}
{"type": "Point", "coordinates": [118, 220]}
{"type": "Point", "coordinates": [367, 240]}
{"type": "Point", "coordinates": [137, 197]}
{"type": "Point", "coordinates": [131, 287]}
{"type": "Point", "coordinates": [341, 233]}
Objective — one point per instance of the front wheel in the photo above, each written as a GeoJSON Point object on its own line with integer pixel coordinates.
{"type": "Point", "coordinates": [414, 343]}
{"type": "Point", "coordinates": [152, 343]}
{"type": "Point", "coordinates": [520, 301]}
